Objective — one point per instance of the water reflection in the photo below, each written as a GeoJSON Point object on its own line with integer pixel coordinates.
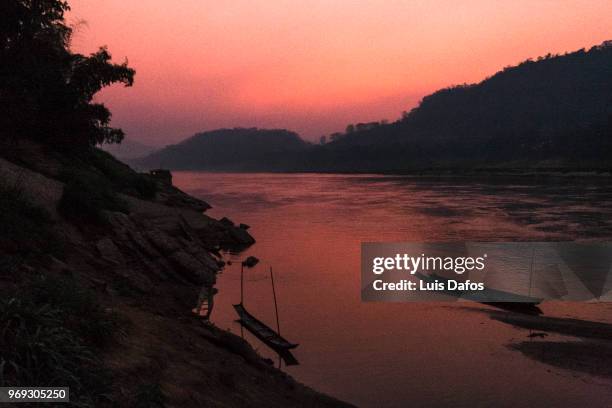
{"type": "Point", "coordinates": [587, 347]}
{"type": "Point", "coordinates": [310, 227]}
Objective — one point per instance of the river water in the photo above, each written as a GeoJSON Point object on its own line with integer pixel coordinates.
{"type": "Point", "coordinates": [309, 228]}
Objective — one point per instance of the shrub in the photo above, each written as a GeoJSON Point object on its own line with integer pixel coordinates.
{"type": "Point", "coordinates": [122, 176]}
{"type": "Point", "coordinates": [87, 195]}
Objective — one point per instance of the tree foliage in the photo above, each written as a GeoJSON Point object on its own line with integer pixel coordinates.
{"type": "Point", "coordinates": [557, 108]}
{"type": "Point", "coordinates": [46, 90]}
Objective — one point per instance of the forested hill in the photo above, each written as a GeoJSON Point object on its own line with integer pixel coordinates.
{"type": "Point", "coordinates": [236, 149]}
{"type": "Point", "coordinates": [553, 112]}
{"type": "Point", "coordinates": [557, 108]}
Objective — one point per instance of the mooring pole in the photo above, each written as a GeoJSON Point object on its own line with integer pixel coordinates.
{"type": "Point", "coordinates": [275, 304]}
{"type": "Point", "coordinates": [241, 282]}
{"type": "Point", "coordinates": [531, 268]}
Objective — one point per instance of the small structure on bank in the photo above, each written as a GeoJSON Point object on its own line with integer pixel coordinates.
{"type": "Point", "coordinates": [162, 175]}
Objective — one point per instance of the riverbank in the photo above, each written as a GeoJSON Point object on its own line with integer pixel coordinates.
{"type": "Point", "coordinates": [128, 276]}
{"type": "Point", "coordinates": [441, 173]}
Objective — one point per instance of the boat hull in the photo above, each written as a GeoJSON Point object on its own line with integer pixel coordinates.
{"type": "Point", "coordinates": [260, 330]}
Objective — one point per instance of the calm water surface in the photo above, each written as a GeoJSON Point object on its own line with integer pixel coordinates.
{"type": "Point", "coordinates": [309, 228]}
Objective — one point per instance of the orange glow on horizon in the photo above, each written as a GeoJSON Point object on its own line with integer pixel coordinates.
{"type": "Point", "coordinates": [315, 66]}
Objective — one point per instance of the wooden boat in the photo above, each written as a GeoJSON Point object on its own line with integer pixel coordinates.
{"type": "Point", "coordinates": [288, 358]}
{"type": "Point", "coordinates": [493, 297]}
{"type": "Point", "coordinates": [259, 329]}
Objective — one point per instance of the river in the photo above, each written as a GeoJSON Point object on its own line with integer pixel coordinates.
{"type": "Point", "coordinates": [309, 228]}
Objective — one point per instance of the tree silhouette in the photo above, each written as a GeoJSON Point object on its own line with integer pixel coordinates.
{"type": "Point", "coordinates": [46, 90]}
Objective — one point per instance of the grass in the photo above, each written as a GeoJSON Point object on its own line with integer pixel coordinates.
{"type": "Point", "coordinates": [51, 334]}
{"type": "Point", "coordinates": [26, 230]}
{"type": "Point", "coordinates": [51, 330]}
{"type": "Point", "coordinates": [80, 313]}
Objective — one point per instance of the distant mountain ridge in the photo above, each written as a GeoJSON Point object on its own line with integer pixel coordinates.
{"type": "Point", "coordinates": [555, 111]}
{"type": "Point", "coordinates": [238, 149]}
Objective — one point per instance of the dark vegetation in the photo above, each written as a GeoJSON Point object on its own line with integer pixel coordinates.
{"type": "Point", "coordinates": [92, 186]}
{"type": "Point", "coordinates": [26, 231]}
{"type": "Point", "coordinates": [554, 112]}
{"type": "Point", "coordinates": [46, 90]}
{"type": "Point", "coordinates": [52, 331]}
{"type": "Point", "coordinates": [121, 176]}
{"type": "Point", "coordinates": [45, 340]}
{"type": "Point", "coordinates": [556, 108]}
{"type": "Point", "coordinates": [229, 149]}
{"type": "Point", "coordinates": [87, 195]}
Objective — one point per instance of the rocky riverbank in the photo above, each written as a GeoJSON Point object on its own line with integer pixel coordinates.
{"type": "Point", "coordinates": [145, 265]}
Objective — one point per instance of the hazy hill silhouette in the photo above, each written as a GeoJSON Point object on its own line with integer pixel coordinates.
{"type": "Point", "coordinates": [236, 149]}
{"type": "Point", "coordinates": [555, 111]}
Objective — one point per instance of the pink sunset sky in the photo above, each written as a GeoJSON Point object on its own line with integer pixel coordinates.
{"type": "Point", "coordinates": [312, 66]}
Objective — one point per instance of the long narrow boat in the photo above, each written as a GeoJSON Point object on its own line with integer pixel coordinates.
{"type": "Point", "coordinates": [261, 331]}
{"type": "Point", "coordinates": [493, 297]}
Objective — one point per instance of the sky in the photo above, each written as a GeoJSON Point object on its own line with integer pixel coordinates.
{"type": "Point", "coordinates": [312, 66]}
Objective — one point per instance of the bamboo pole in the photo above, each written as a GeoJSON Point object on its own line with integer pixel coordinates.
{"type": "Point", "coordinates": [275, 303]}
{"type": "Point", "coordinates": [531, 268]}
{"type": "Point", "coordinates": [241, 282]}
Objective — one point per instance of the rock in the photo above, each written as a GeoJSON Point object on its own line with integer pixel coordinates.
{"type": "Point", "coordinates": [199, 252]}
{"type": "Point", "coordinates": [240, 237]}
{"type": "Point", "coordinates": [208, 260]}
{"type": "Point", "coordinates": [157, 267]}
{"type": "Point", "coordinates": [57, 266]}
{"type": "Point", "coordinates": [171, 196]}
{"type": "Point", "coordinates": [184, 201]}
{"type": "Point", "coordinates": [136, 280]}
{"type": "Point", "coordinates": [192, 269]}
{"type": "Point", "coordinates": [142, 244]}
{"type": "Point", "coordinates": [218, 233]}
{"type": "Point", "coordinates": [109, 251]}
{"type": "Point", "coordinates": [99, 284]}
{"type": "Point", "coordinates": [226, 222]}
{"type": "Point", "coordinates": [162, 241]}
{"type": "Point", "coordinates": [28, 268]}
{"type": "Point", "coordinates": [130, 236]}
